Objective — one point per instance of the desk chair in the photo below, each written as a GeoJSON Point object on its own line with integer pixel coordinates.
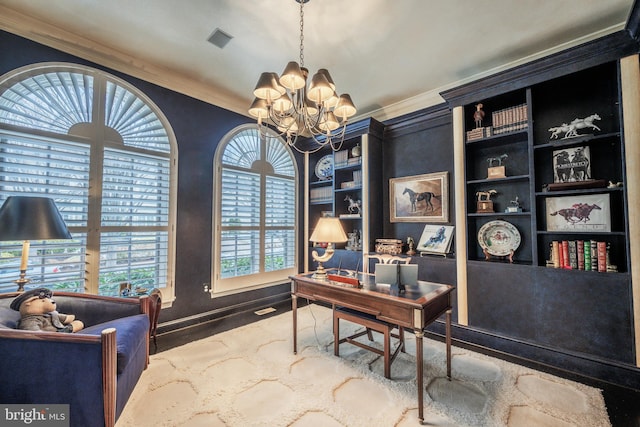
{"type": "Point", "coordinates": [371, 323]}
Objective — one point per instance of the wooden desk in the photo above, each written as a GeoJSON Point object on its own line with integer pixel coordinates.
{"type": "Point", "coordinates": [415, 308]}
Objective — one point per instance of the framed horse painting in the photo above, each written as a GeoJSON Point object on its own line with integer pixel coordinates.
{"type": "Point", "coordinates": [420, 198]}
{"type": "Point", "coordinates": [586, 212]}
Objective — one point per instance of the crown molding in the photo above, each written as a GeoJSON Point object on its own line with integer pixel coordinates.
{"type": "Point", "coordinates": [86, 49]}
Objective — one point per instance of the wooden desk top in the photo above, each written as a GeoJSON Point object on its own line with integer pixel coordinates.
{"type": "Point", "coordinates": [415, 307]}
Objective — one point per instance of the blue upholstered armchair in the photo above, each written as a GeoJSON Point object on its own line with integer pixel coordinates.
{"type": "Point", "coordinates": [94, 370]}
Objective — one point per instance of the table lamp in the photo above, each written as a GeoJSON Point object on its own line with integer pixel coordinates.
{"type": "Point", "coordinates": [328, 230]}
{"type": "Point", "coordinates": [30, 218]}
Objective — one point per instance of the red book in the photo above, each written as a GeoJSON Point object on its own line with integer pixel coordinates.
{"type": "Point", "coordinates": [602, 257]}
{"type": "Point", "coordinates": [564, 260]}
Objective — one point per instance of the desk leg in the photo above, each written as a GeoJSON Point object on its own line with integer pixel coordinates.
{"type": "Point", "coordinates": [294, 310]}
{"type": "Point", "coordinates": [419, 373]}
{"type": "Point", "coordinates": [448, 341]}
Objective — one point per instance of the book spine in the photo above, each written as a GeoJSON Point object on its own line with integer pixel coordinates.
{"type": "Point", "coordinates": [602, 257]}
{"type": "Point", "coordinates": [565, 254]}
{"type": "Point", "coordinates": [555, 254]}
{"type": "Point", "coordinates": [573, 255]}
{"type": "Point", "coordinates": [587, 255]}
{"type": "Point", "coordinates": [580, 252]}
{"type": "Point", "coordinates": [594, 255]}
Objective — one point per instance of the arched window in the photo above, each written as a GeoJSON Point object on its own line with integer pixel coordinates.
{"type": "Point", "coordinates": [254, 211]}
{"type": "Point", "coordinates": [107, 156]}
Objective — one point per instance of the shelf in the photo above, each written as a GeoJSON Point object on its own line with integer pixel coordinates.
{"type": "Point", "coordinates": [494, 214]}
{"type": "Point", "coordinates": [323, 183]}
{"type": "Point", "coordinates": [499, 180]}
{"type": "Point", "coordinates": [321, 202]}
{"type": "Point", "coordinates": [579, 140]}
{"type": "Point", "coordinates": [591, 233]}
{"type": "Point", "coordinates": [503, 138]}
{"type": "Point", "coordinates": [344, 190]}
{"type": "Point", "coordinates": [346, 167]}
{"type": "Point", "coordinates": [578, 191]}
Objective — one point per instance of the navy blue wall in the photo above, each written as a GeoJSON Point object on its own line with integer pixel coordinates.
{"type": "Point", "coordinates": [198, 127]}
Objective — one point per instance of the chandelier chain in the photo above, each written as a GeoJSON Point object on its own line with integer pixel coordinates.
{"type": "Point", "coordinates": [301, 34]}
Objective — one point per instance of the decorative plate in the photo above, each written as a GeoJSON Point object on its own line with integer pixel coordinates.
{"type": "Point", "coordinates": [499, 238]}
{"type": "Point", "coordinates": [324, 167]}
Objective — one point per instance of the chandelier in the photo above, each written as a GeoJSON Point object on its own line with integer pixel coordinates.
{"type": "Point", "coordinates": [286, 103]}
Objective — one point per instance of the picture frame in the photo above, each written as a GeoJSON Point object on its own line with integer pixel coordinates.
{"type": "Point", "coordinates": [572, 164]}
{"type": "Point", "coordinates": [584, 213]}
{"type": "Point", "coordinates": [420, 198]}
{"type": "Point", "coordinates": [436, 239]}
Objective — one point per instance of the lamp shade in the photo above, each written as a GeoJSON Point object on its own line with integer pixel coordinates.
{"type": "Point", "coordinates": [31, 218]}
{"type": "Point", "coordinates": [328, 230]}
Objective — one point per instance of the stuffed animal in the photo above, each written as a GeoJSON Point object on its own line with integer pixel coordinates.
{"type": "Point", "coordinates": [38, 313]}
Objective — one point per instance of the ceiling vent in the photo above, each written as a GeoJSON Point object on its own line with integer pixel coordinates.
{"type": "Point", "coordinates": [219, 38]}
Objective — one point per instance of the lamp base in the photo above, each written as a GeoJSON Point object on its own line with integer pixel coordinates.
{"type": "Point", "coordinates": [320, 273]}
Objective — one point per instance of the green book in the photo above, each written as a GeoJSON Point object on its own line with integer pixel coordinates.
{"type": "Point", "coordinates": [587, 255]}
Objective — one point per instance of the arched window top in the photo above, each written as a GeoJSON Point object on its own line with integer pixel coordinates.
{"type": "Point", "coordinates": [243, 150]}
{"type": "Point", "coordinates": [56, 98]}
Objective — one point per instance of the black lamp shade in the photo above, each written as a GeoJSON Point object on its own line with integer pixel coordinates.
{"type": "Point", "coordinates": [31, 218]}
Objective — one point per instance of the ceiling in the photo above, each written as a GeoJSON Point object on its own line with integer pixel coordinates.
{"type": "Point", "coordinates": [391, 56]}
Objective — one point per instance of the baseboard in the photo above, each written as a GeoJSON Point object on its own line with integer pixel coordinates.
{"type": "Point", "coordinates": [575, 366]}
{"type": "Point", "coordinates": [182, 331]}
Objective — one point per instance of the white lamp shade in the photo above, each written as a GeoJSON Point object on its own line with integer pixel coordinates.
{"type": "Point", "coordinates": [259, 108]}
{"type": "Point", "coordinates": [267, 87]}
{"type": "Point", "coordinates": [345, 107]}
{"type": "Point", "coordinates": [282, 104]}
{"type": "Point", "coordinates": [319, 89]}
{"type": "Point", "coordinates": [329, 122]}
{"type": "Point", "coordinates": [328, 230]}
{"type": "Point", "coordinates": [292, 77]}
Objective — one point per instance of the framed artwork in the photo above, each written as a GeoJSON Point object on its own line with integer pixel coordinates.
{"type": "Point", "coordinates": [587, 212]}
{"type": "Point", "coordinates": [436, 239]}
{"type": "Point", "coordinates": [420, 198]}
{"type": "Point", "coordinates": [572, 164]}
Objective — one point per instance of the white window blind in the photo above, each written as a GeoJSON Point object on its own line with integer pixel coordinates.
{"type": "Point", "coordinates": [255, 211]}
{"type": "Point", "coordinates": [50, 146]}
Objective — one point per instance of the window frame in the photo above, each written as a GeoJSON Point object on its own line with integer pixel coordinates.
{"type": "Point", "coordinates": [98, 143]}
{"type": "Point", "coordinates": [261, 279]}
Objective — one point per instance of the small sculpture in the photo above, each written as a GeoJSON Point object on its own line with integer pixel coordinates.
{"type": "Point", "coordinates": [571, 130]}
{"type": "Point", "coordinates": [485, 196]}
{"type": "Point", "coordinates": [499, 160]}
{"type": "Point", "coordinates": [410, 242]}
{"type": "Point", "coordinates": [478, 115]}
{"type": "Point", "coordinates": [355, 206]}
{"type": "Point", "coordinates": [484, 203]}
{"type": "Point", "coordinates": [514, 206]}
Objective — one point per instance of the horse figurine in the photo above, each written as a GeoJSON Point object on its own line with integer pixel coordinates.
{"type": "Point", "coordinates": [415, 197]}
{"type": "Point", "coordinates": [571, 130]}
{"type": "Point", "coordinates": [499, 160]}
{"type": "Point", "coordinates": [355, 206]}
{"type": "Point", "coordinates": [485, 196]}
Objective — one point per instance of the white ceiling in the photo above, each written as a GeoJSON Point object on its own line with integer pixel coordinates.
{"type": "Point", "coordinates": [392, 56]}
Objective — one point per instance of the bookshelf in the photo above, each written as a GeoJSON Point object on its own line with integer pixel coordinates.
{"type": "Point", "coordinates": [350, 192]}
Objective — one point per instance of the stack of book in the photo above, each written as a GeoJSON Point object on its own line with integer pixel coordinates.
{"type": "Point", "coordinates": [341, 158]}
{"type": "Point", "coordinates": [478, 133]}
{"type": "Point", "coordinates": [320, 195]}
{"type": "Point", "coordinates": [510, 119]}
{"type": "Point", "coordinates": [588, 255]}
